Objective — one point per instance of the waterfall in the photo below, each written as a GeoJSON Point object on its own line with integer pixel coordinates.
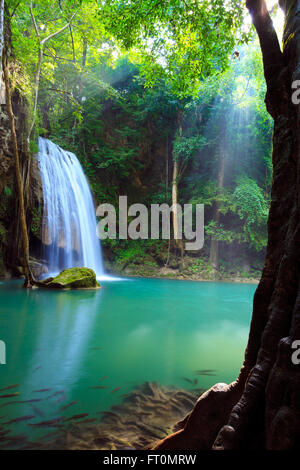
{"type": "Point", "coordinates": [69, 220]}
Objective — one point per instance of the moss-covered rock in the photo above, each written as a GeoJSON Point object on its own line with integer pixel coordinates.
{"type": "Point", "coordinates": [72, 278]}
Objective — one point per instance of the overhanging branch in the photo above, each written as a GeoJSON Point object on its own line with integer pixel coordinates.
{"type": "Point", "coordinates": [272, 55]}
{"type": "Point", "coordinates": [42, 43]}
{"type": "Point", "coordinates": [273, 60]}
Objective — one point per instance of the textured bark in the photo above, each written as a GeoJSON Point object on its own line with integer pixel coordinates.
{"type": "Point", "coordinates": [19, 183]}
{"type": "Point", "coordinates": [175, 199]}
{"type": "Point", "coordinates": [261, 409]}
{"type": "Point", "coordinates": [11, 247]}
{"type": "Point", "coordinates": [177, 174]}
{"type": "Point", "coordinates": [1, 38]}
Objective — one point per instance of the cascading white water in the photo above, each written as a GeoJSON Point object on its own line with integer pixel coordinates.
{"type": "Point", "coordinates": [69, 220]}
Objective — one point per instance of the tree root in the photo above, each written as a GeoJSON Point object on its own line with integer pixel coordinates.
{"type": "Point", "coordinates": [200, 427]}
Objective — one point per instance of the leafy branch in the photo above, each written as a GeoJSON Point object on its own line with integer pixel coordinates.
{"type": "Point", "coordinates": [42, 43]}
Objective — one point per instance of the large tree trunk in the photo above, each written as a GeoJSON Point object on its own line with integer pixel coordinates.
{"type": "Point", "coordinates": [262, 408]}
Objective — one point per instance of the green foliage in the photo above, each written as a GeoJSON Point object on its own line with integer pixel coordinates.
{"type": "Point", "coordinates": [130, 253]}
{"type": "Point", "coordinates": [184, 148]}
{"type": "Point", "coordinates": [181, 42]}
{"type": "Point", "coordinates": [199, 267]}
{"type": "Point", "coordinates": [252, 208]}
{"type": "Point", "coordinates": [7, 191]}
{"type": "Point", "coordinates": [218, 232]}
{"type": "Point", "coordinates": [72, 278]}
{"type": "Point", "coordinates": [6, 201]}
{"type": "Point", "coordinates": [118, 128]}
{"type": "Point", "coordinates": [36, 221]}
{"type": "Point", "coordinates": [246, 208]}
{"type": "Point", "coordinates": [3, 234]}
{"type": "Point", "coordinates": [113, 86]}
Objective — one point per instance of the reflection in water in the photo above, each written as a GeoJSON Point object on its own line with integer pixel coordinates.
{"type": "Point", "coordinates": [63, 340]}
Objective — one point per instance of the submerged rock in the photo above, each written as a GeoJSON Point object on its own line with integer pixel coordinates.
{"type": "Point", "coordinates": [146, 415]}
{"type": "Point", "coordinates": [72, 278]}
{"type": "Point", "coordinates": [38, 269]}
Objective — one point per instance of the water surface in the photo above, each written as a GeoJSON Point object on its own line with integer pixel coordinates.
{"type": "Point", "coordinates": [122, 335]}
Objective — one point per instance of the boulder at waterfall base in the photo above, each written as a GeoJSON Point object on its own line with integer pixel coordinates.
{"type": "Point", "coordinates": [72, 278]}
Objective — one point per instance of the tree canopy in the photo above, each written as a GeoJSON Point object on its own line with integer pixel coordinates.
{"type": "Point", "coordinates": [180, 41]}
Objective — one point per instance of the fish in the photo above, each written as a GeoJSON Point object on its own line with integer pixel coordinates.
{"type": "Point", "coordinates": [205, 372]}
{"type": "Point", "coordinates": [59, 392]}
{"type": "Point", "coordinates": [9, 395]}
{"type": "Point", "coordinates": [104, 377]}
{"type": "Point", "coordinates": [90, 420]}
{"type": "Point", "coordinates": [187, 380]}
{"type": "Point", "coordinates": [37, 368]}
{"type": "Point", "coordinates": [9, 387]}
{"type": "Point", "coordinates": [50, 434]}
{"type": "Point", "coordinates": [32, 445]}
{"type": "Point", "coordinates": [37, 411]}
{"type": "Point", "coordinates": [42, 390]}
{"type": "Point", "coordinates": [79, 416]}
{"type": "Point", "coordinates": [62, 398]}
{"type": "Point", "coordinates": [65, 407]}
{"type": "Point", "coordinates": [125, 395]}
{"type": "Point", "coordinates": [15, 439]}
{"type": "Point", "coordinates": [95, 348]}
{"type": "Point", "coordinates": [21, 418]}
{"type": "Point", "coordinates": [31, 400]}
{"type": "Point", "coordinates": [99, 386]}
{"type": "Point", "coordinates": [116, 389]}
{"type": "Point", "coordinates": [10, 403]}
{"type": "Point", "coordinates": [50, 422]}
{"type": "Point", "coordinates": [195, 381]}
{"type": "Point", "coordinates": [109, 413]}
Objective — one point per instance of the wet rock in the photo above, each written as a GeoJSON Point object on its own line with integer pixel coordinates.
{"type": "Point", "coordinates": [37, 268]}
{"type": "Point", "coordinates": [72, 278]}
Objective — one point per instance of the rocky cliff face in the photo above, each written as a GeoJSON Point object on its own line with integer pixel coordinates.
{"type": "Point", "coordinates": [6, 188]}
{"type": "Point", "coordinates": [10, 246]}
